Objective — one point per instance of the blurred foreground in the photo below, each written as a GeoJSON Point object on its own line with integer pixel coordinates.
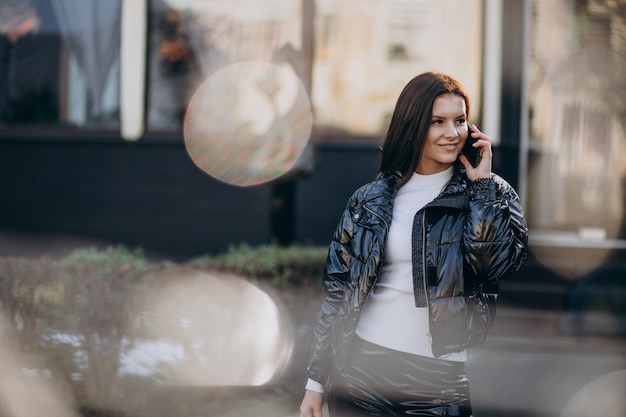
{"type": "Point", "coordinates": [222, 344]}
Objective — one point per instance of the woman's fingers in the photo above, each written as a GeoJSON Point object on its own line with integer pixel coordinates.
{"type": "Point", "coordinates": [311, 405]}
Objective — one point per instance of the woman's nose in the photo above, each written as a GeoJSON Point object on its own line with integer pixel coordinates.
{"type": "Point", "coordinates": [451, 131]}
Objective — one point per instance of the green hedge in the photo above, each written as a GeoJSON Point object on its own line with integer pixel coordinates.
{"type": "Point", "coordinates": [280, 266]}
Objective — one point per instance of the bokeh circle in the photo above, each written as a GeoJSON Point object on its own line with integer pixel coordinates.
{"type": "Point", "coordinates": [248, 123]}
{"type": "Point", "coordinates": [602, 397]}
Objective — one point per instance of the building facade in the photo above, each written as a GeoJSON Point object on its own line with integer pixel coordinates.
{"type": "Point", "coordinates": [187, 126]}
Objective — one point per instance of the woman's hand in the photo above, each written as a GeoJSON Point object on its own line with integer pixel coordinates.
{"type": "Point", "coordinates": [483, 169]}
{"type": "Point", "coordinates": [311, 404]}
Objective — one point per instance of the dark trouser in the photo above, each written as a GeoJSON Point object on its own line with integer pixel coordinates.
{"type": "Point", "coordinates": [378, 381]}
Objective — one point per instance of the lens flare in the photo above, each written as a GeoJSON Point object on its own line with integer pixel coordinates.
{"type": "Point", "coordinates": [248, 123]}
{"type": "Point", "coordinates": [28, 392]}
{"type": "Point", "coordinates": [571, 235]}
{"type": "Point", "coordinates": [602, 397]}
{"type": "Point", "coordinates": [211, 330]}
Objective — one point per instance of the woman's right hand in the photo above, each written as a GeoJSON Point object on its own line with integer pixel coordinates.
{"type": "Point", "coordinates": [311, 404]}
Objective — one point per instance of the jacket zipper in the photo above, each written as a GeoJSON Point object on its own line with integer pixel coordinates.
{"type": "Point", "coordinates": [428, 335]}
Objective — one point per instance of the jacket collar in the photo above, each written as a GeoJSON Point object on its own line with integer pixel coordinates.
{"type": "Point", "coordinates": [454, 194]}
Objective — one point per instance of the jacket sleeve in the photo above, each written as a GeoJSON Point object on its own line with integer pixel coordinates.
{"type": "Point", "coordinates": [495, 232]}
{"type": "Point", "coordinates": [335, 279]}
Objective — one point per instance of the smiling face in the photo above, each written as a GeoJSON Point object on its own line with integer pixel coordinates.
{"type": "Point", "coordinates": [446, 135]}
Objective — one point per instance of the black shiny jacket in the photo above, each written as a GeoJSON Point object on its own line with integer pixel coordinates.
{"type": "Point", "coordinates": [465, 241]}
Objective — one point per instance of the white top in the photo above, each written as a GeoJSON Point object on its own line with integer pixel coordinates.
{"type": "Point", "coordinates": [389, 317]}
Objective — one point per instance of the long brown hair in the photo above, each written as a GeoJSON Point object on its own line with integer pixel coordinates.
{"type": "Point", "coordinates": [411, 118]}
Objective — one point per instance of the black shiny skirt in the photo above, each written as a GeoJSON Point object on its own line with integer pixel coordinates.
{"type": "Point", "coordinates": [378, 381]}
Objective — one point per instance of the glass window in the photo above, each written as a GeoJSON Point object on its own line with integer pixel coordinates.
{"type": "Point", "coordinates": [577, 76]}
{"type": "Point", "coordinates": [191, 40]}
{"type": "Point", "coordinates": [60, 59]}
{"type": "Point", "coordinates": [366, 51]}
{"type": "Point", "coordinates": [59, 62]}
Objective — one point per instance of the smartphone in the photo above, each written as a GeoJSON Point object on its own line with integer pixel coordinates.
{"type": "Point", "coordinates": [471, 153]}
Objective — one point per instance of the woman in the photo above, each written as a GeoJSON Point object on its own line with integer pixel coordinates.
{"type": "Point", "coordinates": [411, 264]}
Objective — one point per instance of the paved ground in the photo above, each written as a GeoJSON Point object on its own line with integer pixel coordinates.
{"type": "Point", "coordinates": [530, 367]}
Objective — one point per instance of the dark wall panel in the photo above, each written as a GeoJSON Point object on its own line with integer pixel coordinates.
{"type": "Point", "coordinates": [339, 170]}
{"type": "Point", "coordinates": [141, 195]}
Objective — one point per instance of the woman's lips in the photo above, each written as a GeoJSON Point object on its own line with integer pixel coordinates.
{"type": "Point", "coordinates": [450, 146]}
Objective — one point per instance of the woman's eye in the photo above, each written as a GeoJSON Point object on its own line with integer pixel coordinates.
{"type": "Point", "coordinates": [437, 122]}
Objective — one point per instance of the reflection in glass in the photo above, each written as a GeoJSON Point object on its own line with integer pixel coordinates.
{"type": "Point", "coordinates": [578, 119]}
{"type": "Point", "coordinates": [366, 51]}
{"type": "Point", "coordinates": [190, 40]}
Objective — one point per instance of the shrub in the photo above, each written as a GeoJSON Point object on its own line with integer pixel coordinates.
{"type": "Point", "coordinates": [96, 310]}
{"type": "Point", "coordinates": [25, 291]}
{"type": "Point", "coordinates": [280, 266]}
